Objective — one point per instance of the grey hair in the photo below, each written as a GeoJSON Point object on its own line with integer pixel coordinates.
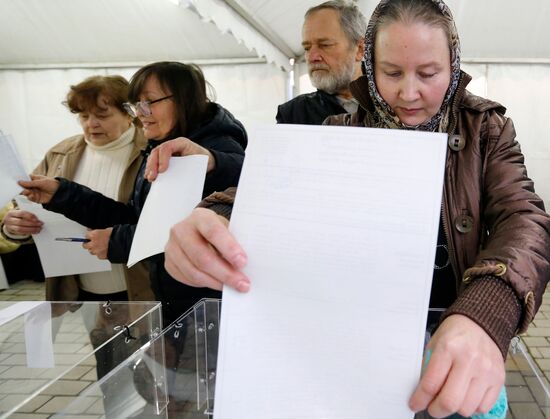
{"type": "Point", "coordinates": [352, 21]}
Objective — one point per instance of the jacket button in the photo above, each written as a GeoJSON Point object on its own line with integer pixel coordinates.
{"type": "Point", "coordinates": [464, 223]}
{"type": "Point", "coordinates": [456, 142]}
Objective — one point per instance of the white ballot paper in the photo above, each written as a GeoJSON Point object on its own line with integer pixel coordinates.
{"type": "Point", "coordinates": [38, 331]}
{"type": "Point", "coordinates": [172, 197]}
{"type": "Point", "coordinates": [38, 337]}
{"type": "Point", "coordinates": [61, 257]}
{"type": "Point", "coordinates": [11, 170]}
{"type": "Point", "coordinates": [340, 227]}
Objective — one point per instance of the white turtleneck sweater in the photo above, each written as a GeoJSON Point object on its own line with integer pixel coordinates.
{"type": "Point", "coordinates": [101, 168]}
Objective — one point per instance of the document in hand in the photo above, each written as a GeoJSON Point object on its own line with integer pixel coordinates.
{"type": "Point", "coordinates": [172, 197]}
{"type": "Point", "coordinates": [340, 227]}
{"type": "Point", "coordinates": [61, 257]}
{"type": "Point", "coordinates": [11, 170]}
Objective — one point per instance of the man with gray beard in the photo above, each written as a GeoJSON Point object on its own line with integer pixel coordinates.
{"type": "Point", "coordinates": [332, 37]}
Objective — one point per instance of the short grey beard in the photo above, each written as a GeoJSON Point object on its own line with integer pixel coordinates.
{"type": "Point", "coordinates": [333, 83]}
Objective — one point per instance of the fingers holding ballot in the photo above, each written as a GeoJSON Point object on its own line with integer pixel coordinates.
{"type": "Point", "coordinates": [158, 160]}
{"type": "Point", "coordinates": [98, 243]}
{"type": "Point", "coordinates": [22, 223]}
{"type": "Point", "coordinates": [201, 252]}
{"type": "Point", "coordinates": [464, 371]}
{"type": "Point", "coordinates": [39, 189]}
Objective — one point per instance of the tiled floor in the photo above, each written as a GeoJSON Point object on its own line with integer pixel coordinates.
{"type": "Point", "coordinates": [70, 385]}
{"type": "Point", "coordinates": [16, 380]}
{"type": "Point", "coordinates": [527, 399]}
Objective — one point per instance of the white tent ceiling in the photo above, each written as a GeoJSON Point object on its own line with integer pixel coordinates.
{"type": "Point", "coordinates": [87, 33]}
{"type": "Point", "coordinates": [46, 45]}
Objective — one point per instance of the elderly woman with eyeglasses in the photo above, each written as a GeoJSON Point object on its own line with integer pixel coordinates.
{"type": "Point", "coordinates": [109, 143]}
{"type": "Point", "coordinates": [170, 100]}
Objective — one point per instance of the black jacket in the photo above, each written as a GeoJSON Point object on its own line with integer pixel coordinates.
{"type": "Point", "coordinates": [309, 108]}
{"type": "Point", "coordinates": [225, 137]}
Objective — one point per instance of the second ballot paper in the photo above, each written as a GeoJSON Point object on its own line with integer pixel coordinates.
{"type": "Point", "coordinates": [61, 257]}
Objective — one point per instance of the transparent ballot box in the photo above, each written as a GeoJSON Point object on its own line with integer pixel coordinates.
{"type": "Point", "coordinates": [171, 376]}
{"type": "Point", "coordinates": [174, 374]}
{"type": "Point", "coordinates": [50, 352]}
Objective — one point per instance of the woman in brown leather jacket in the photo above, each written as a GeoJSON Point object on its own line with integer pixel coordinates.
{"type": "Point", "coordinates": [494, 245]}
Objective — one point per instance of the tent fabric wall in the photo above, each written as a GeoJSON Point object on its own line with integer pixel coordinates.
{"type": "Point", "coordinates": [31, 109]}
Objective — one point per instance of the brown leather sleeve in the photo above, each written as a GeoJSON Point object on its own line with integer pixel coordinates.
{"type": "Point", "coordinates": [493, 305]}
{"type": "Point", "coordinates": [220, 202]}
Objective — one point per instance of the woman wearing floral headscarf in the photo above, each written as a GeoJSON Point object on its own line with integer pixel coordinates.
{"type": "Point", "coordinates": [492, 261]}
{"type": "Point", "coordinates": [493, 254]}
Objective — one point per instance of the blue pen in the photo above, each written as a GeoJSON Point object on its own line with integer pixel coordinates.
{"type": "Point", "coordinates": [72, 239]}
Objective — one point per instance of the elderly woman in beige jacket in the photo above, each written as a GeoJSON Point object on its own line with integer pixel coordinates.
{"type": "Point", "coordinates": [106, 158]}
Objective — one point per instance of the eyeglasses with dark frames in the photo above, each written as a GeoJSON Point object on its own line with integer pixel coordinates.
{"type": "Point", "coordinates": [143, 107]}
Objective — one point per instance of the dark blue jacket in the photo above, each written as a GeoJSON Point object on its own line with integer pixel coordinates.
{"type": "Point", "coordinates": [225, 137]}
{"type": "Point", "coordinates": [309, 108]}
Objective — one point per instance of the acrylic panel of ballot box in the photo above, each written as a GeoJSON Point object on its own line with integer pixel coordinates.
{"type": "Point", "coordinates": [173, 376]}
{"type": "Point", "coordinates": [50, 352]}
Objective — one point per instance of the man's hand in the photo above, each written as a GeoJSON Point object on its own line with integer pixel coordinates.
{"type": "Point", "coordinates": [39, 189]}
{"type": "Point", "coordinates": [201, 252]}
{"type": "Point", "coordinates": [160, 156]}
{"type": "Point", "coordinates": [22, 223]}
{"type": "Point", "coordinates": [465, 373]}
{"type": "Point", "coordinates": [99, 242]}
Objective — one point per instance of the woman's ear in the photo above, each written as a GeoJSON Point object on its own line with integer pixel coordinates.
{"type": "Point", "coordinates": [360, 50]}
